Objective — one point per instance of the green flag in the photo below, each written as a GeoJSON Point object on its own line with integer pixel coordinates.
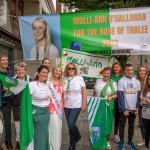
{"type": "Point", "coordinates": [8, 81]}
{"type": "Point", "coordinates": [26, 121]}
{"type": "Point", "coordinates": [97, 117]}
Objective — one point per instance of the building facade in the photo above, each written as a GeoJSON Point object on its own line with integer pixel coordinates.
{"type": "Point", "coordinates": [10, 10]}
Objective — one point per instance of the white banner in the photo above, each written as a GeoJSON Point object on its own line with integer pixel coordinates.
{"type": "Point", "coordinates": [88, 65]}
{"type": "Point", "coordinates": [131, 31]}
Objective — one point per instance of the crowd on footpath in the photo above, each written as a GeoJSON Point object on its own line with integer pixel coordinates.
{"type": "Point", "coordinates": [56, 92]}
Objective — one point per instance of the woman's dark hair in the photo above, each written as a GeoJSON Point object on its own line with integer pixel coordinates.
{"type": "Point", "coordinates": [45, 59]}
{"type": "Point", "coordinates": [117, 63]}
{"type": "Point", "coordinates": [39, 70]}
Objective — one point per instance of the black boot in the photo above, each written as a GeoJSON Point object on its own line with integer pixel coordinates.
{"type": "Point", "coordinates": [17, 146]}
{"type": "Point", "coordinates": [8, 144]}
{"type": "Point", "coordinates": [72, 147]}
{"type": "Point", "coordinates": [1, 148]}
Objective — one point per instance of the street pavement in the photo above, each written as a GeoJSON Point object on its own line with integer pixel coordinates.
{"type": "Point", "coordinates": [84, 143]}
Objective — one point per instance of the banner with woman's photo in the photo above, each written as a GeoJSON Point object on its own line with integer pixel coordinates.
{"type": "Point", "coordinates": [88, 65]}
{"type": "Point", "coordinates": [115, 32]}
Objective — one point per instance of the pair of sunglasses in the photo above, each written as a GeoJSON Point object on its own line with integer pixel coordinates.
{"type": "Point", "coordinates": [70, 68]}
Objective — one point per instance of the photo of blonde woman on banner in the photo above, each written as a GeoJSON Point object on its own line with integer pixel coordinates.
{"type": "Point", "coordinates": [40, 37]}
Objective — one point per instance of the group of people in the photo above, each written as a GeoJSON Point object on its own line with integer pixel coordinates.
{"type": "Point", "coordinates": [54, 93]}
{"type": "Point", "coordinates": [127, 96]}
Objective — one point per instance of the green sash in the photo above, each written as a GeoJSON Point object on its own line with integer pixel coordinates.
{"type": "Point", "coordinates": [110, 106]}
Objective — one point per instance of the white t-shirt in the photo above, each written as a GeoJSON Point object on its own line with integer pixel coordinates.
{"type": "Point", "coordinates": [73, 93]}
{"type": "Point", "coordinates": [54, 53]}
{"type": "Point", "coordinates": [130, 87]}
{"type": "Point", "coordinates": [40, 94]}
{"type": "Point", "coordinates": [99, 86]}
{"type": "Point", "coordinates": [146, 108]}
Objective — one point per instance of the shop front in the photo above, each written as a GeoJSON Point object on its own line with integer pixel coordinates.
{"type": "Point", "coordinates": [10, 46]}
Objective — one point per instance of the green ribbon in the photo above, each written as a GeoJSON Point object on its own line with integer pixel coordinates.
{"type": "Point", "coordinates": [104, 90]}
{"type": "Point", "coordinates": [109, 107]}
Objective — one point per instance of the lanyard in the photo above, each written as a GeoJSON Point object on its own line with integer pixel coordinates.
{"type": "Point", "coordinates": [68, 84]}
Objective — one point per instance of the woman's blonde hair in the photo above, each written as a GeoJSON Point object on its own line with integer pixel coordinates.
{"type": "Point", "coordinates": [47, 36]}
{"type": "Point", "coordinates": [21, 65]}
{"type": "Point", "coordinates": [66, 69]}
{"type": "Point", "coordinates": [61, 78]}
{"type": "Point", "coordinates": [142, 81]}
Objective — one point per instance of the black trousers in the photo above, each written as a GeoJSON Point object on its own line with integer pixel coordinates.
{"type": "Point", "coordinates": [117, 117]}
{"type": "Point", "coordinates": [6, 111]}
{"type": "Point", "coordinates": [131, 120]}
{"type": "Point", "coordinates": [146, 123]}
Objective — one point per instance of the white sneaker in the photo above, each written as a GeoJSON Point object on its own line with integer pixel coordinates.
{"type": "Point", "coordinates": [108, 145]}
{"type": "Point", "coordinates": [140, 144]}
{"type": "Point", "coordinates": [116, 139]}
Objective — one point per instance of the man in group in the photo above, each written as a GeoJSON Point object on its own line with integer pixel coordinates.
{"type": "Point", "coordinates": [128, 99]}
{"type": "Point", "coordinates": [4, 106]}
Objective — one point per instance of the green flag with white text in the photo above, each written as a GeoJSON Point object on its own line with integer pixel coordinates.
{"type": "Point", "coordinates": [26, 121]}
{"type": "Point", "coordinates": [97, 117]}
{"type": "Point", "coordinates": [8, 81]}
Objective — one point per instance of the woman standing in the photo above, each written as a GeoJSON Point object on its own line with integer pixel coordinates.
{"type": "Point", "coordinates": [46, 62]}
{"type": "Point", "coordinates": [145, 102]}
{"type": "Point", "coordinates": [107, 88]}
{"type": "Point", "coordinates": [74, 101]}
{"type": "Point", "coordinates": [141, 76]}
{"type": "Point", "coordinates": [116, 75]}
{"type": "Point", "coordinates": [56, 107]}
{"type": "Point", "coordinates": [44, 47]}
{"type": "Point", "coordinates": [15, 100]}
{"type": "Point", "coordinates": [40, 101]}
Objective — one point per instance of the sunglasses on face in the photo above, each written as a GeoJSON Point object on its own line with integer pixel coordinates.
{"type": "Point", "coordinates": [70, 68]}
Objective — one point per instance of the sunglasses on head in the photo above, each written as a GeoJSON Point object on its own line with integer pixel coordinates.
{"type": "Point", "coordinates": [70, 68]}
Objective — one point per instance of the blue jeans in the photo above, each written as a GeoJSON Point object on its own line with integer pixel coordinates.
{"type": "Point", "coordinates": [71, 117]}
